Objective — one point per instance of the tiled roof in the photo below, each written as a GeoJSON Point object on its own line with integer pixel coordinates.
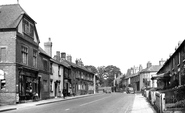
{"type": "Point", "coordinates": [77, 66]}
{"type": "Point", "coordinates": [153, 68]}
{"type": "Point", "coordinates": [133, 75]}
{"type": "Point", "coordinates": [61, 62]}
{"type": "Point", "coordinates": [10, 15]}
{"type": "Point", "coordinates": [43, 52]}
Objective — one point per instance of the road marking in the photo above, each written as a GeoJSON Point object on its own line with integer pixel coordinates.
{"type": "Point", "coordinates": [127, 109]}
{"type": "Point", "coordinates": [67, 109]}
{"type": "Point", "coordinates": [93, 101]}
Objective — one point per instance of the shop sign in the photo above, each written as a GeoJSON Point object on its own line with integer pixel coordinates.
{"type": "Point", "coordinates": [2, 74]}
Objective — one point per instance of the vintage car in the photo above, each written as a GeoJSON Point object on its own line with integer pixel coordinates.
{"type": "Point", "coordinates": [130, 90]}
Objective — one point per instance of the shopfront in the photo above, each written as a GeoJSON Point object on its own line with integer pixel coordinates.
{"type": "Point", "coordinates": [28, 85]}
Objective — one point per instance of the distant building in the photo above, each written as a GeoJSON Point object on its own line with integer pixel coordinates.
{"type": "Point", "coordinates": [146, 75]}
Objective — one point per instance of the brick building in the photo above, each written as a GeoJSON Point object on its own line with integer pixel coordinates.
{"type": "Point", "coordinates": [19, 47]}
{"type": "Point", "coordinates": [44, 74]}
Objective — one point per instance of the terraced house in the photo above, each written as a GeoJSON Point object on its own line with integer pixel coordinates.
{"type": "Point", "coordinates": [171, 79]}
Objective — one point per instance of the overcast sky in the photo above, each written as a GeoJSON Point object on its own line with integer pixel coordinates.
{"type": "Point", "coordinates": [122, 33]}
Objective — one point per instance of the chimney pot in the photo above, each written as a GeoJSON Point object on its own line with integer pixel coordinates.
{"type": "Point", "coordinates": [63, 56]}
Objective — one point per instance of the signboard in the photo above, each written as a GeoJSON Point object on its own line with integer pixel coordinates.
{"type": "Point", "coordinates": [1, 74]}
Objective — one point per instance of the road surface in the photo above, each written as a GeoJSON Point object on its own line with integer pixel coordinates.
{"type": "Point", "coordinates": [100, 103]}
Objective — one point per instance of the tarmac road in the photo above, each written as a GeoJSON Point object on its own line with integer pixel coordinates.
{"type": "Point", "coordinates": [101, 103]}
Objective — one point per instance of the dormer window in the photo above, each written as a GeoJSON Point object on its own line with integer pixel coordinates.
{"type": "Point", "coordinates": [28, 28]}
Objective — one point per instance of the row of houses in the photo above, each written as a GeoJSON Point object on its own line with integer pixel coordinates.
{"type": "Point", "coordinates": [26, 69]}
{"type": "Point", "coordinates": [164, 84]}
{"type": "Point", "coordinates": [140, 78]}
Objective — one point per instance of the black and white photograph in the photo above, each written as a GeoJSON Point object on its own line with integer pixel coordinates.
{"type": "Point", "coordinates": [92, 56]}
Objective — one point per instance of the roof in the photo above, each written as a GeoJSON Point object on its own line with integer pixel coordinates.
{"type": "Point", "coordinates": [77, 66]}
{"type": "Point", "coordinates": [161, 76]}
{"type": "Point", "coordinates": [61, 62]}
{"type": "Point", "coordinates": [43, 52]}
{"type": "Point", "coordinates": [132, 75]}
{"type": "Point", "coordinates": [171, 56]}
{"type": "Point", "coordinates": [153, 68]}
{"type": "Point", "coordinates": [10, 15]}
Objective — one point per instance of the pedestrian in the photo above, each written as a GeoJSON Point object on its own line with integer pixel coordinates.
{"type": "Point", "coordinates": [64, 93]}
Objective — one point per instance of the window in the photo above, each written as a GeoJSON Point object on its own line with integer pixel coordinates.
{"type": "Point", "coordinates": [51, 68]}
{"type": "Point", "coordinates": [34, 58]}
{"type": "Point", "coordinates": [51, 88]}
{"type": "Point", "coordinates": [179, 58]}
{"type": "Point", "coordinates": [28, 28]}
{"type": "Point", "coordinates": [58, 70]}
{"type": "Point", "coordinates": [2, 54]}
{"type": "Point", "coordinates": [3, 84]}
{"type": "Point", "coordinates": [24, 55]}
{"type": "Point", "coordinates": [45, 64]}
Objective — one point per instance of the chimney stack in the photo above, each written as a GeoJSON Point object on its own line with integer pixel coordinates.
{"type": "Point", "coordinates": [48, 47]}
{"type": "Point", "coordinates": [140, 67]}
{"type": "Point", "coordinates": [149, 64]}
{"type": "Point", "coordinates": [77, 61]}
{"type": "Point", "coordinates": [58, 55]}
{"type": "Point", "coordinates": [161, 62]}
{"type": "Point", "coordinates": [63, 56]}
{"type": "Point", "coordinates": [69, 58]}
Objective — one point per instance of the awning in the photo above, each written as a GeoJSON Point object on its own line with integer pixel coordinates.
{"type": "Point", "coordinates": [161, 76]}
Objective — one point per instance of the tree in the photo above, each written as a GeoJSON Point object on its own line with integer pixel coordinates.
{"type": "Point", "coordinates": [92, 68]}
{"type": "Point", "coordinates": [101, 74]}
{"type": "Point", "coordinates": [112, 72]}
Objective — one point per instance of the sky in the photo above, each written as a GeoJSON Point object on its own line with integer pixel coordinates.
{"type": "Point", "coordinates": [123, 33]}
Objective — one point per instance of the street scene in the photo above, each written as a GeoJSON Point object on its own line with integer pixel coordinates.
{"type": "Point", "coordinates": [97, 56]}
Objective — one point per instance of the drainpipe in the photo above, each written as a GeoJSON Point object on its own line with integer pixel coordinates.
{"type": "Point", "coordinates": [94, 83]}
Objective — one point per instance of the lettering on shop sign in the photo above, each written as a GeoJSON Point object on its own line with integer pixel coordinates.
{"type": "Point", "coordinates": [2, 74]}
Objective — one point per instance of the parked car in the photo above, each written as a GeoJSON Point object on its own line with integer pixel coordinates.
{"type": "Point", "coordinates": [130, 90]}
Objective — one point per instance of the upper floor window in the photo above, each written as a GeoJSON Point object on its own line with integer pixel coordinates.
{"type": "Point", "coordinates": [28, 28]}
{"type": "Point", "coordinates": [45, 63]}
{"type": "Point", "coordinates": [51, 71]}
{"type": "Point", "coordinates": [34, 58]}
{"type": "Point", "coordinates": [2, 54]}
{"type": "Point", "coordinates": [24, 53]}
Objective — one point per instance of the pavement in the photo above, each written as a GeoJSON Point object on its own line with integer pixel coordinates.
{"type": "Point", "coordinates": [140, 105]}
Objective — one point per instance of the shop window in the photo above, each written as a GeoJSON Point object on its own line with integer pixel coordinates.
{"type": "Point", "coordinates": [2, 54]}
{"type": "Point", "coordinates": [24, 55]}
{"type": "Point", "coordinates": [3, 84]}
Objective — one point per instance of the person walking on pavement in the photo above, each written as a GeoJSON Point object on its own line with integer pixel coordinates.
{"type": "Point", "coordinates": [64, 93]}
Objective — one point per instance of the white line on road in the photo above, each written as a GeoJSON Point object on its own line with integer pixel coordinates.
{"type": "Point", "coordinates": [67, 109]}
{"type": "Point", "coordinates": [93, 101]}
{"type": "Point", "coordinates": [127, 109]}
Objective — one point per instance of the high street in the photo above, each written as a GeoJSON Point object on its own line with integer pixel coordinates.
{"type": "Point", "coordinates": [100, 103]}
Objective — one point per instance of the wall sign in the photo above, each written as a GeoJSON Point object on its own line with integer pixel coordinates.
{"type": "Point", "coordinates": [2, 74]}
